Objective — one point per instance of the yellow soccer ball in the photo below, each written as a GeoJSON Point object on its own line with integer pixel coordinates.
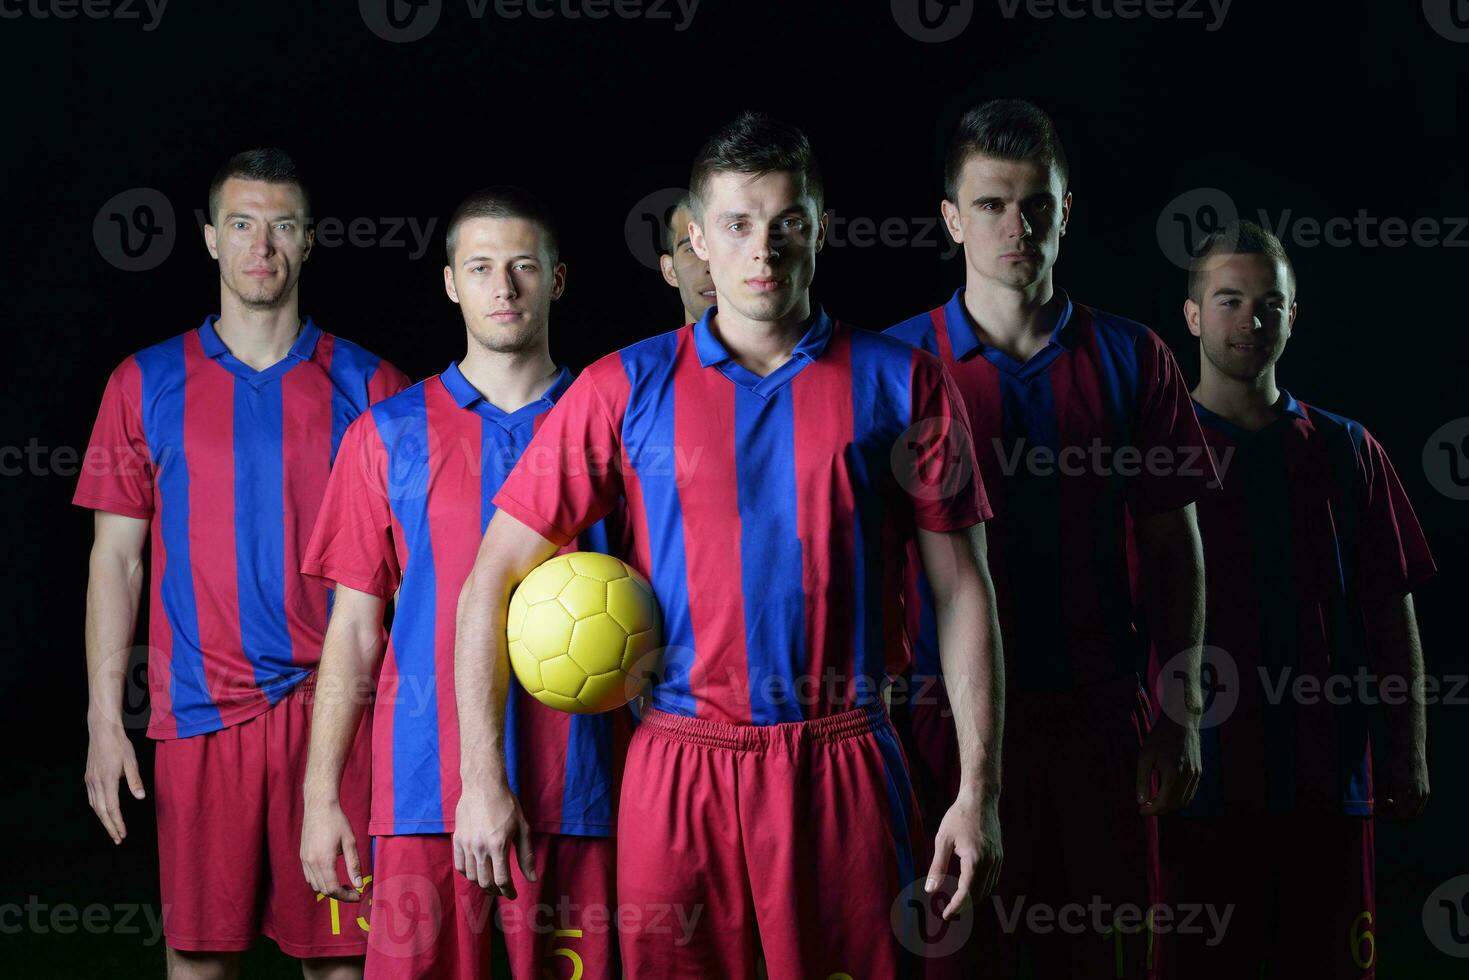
{"type": "Point", "coordinates": [582, 629]}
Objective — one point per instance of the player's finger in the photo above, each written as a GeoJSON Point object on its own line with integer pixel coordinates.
{"type": "Point", "coordinates": [1167, 786]}
{"type": "Point", "coordinates": [1144, 777]}
{"type": "Point", "coordinates": [943, 850]}
{"type": "Point", "coordinates": [961, 893]}
{"type": "Point", "coordinates": [113, 809]}
{"type": "Point", "coordinates": [501, 879]}
{"type": "Point", "coordinates": [459, 863]}
{"type": "Point", "coordinates": [135, 780]}
{"type": "Point", "coordinates": [523, 852]}
{"type": "Point", "coordinates": [354, 871]}
{"type": "Point", "coordinates": [484, 874]}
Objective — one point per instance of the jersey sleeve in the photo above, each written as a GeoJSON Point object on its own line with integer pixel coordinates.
{"type": "Point", "coordinates": [938, 467]}
{"type": "Point", "coordinates": [1174, 467]}
{"type": "Point", "coordinates": [570, 476]}
{"type": "Point", "coordinates": [385, 382]}
{"type": "Point", "coordinates": [1392, 555]}
{"type": "Point", "coordinates": [117, 470]}
{"type": "Point", "coordinates": [352, 542]}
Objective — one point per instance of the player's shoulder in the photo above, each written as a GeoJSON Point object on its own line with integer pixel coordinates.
{"type": "Point", "coordinates": [1331, 424]}
{"type": "Point", "coordinates": [1109, 325]}
{"type": "Point", "coordinates": [348, 353]}
{"type": "Point", "coordinates": [916, 331]}
{"type": "Point", "coordinates": [887, 345]}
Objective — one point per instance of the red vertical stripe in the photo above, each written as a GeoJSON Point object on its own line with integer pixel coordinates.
{"type": "Point", "coordinates": [825, 512]}
{"type": "Point", "coordinates": [209, 450]}
{"type": "Point", "coordinates": [704, 442]}
{"type": "Point", "coordinates": [390, 687]}
{"type": "Point", "coordinates": [306, 410]}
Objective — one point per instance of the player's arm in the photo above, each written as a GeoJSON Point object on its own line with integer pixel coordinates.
{"type": "Point", "coordinates": [350, 657]}
{"type": "Point", "coordinates": [1394, 650]}
{"type": "Point", "coordinates": [1171, 555]}
{"type": "Point", "coordinates": [488, 820]}
{"type": "Point", "coordinates": [114, 586]}
{"type": "Point", "coordinates": [957, 568]}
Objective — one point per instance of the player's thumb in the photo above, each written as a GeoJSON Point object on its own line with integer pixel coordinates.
{"type": "Point", "coordinates": [1144, 776]}
{"type": "Point", "coordinates": [349, 853]}
{"type": "Point", "coordinates": [134, 778]}
{"type": "Point", "coordinates": [523, 852]}
{"type": "Point", "coordinates": [943, 850]}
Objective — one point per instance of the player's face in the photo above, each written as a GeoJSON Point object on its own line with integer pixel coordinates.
{"type": "Point", "coordinates": [504, 282]}
{"type": "Point", "coordinates": [760, 236]}
{"type": "Point", "coordinates": [260, 240]}
{"type": "Point", "coordinates": [684, 269]}
{"type": "Point", "coordinates": [1010, 217]}
{"type": "Point", "coordinates": [1244, 315]}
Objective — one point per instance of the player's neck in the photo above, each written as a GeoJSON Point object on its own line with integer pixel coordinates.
{"type": "Point", "coordinates": [761, 346]}
{"type": "Point", "coordinates": [1016, 320]}
{"type": "Point", "coordinates": [256, 336]}
{"type": "Point", "coordinates": [1251, 405]}
{"type": "Point", "coordinates": [509, 380]}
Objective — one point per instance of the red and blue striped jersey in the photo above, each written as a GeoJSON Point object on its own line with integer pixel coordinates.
{"type": "Point", "coordinates": [1094, 429]}
{"type": "Point", "coordinates": [406, 508]}
{"type": "Point", "coordinates": [1307, 522]}
{"type": "Point", "coordinates": [771, 514]}
{"type": "Point", "coordinates": [228, 464]}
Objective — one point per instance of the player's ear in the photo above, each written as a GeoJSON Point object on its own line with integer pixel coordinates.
{"type": "Point", "coordinates": [821, 226]}
{"type": "Point", "coordinates": [1065, 211]}
{"type": "Point", "coordinates": [310, 241]}
{"type": "Point", "coordinates": [449, 283]}
{"type": "Point", "coordinates": [696, 239]}
{"type": "Point", "coordinates": [670, 274]}
{"type": "Point", "coordinates": [211, 240]}
{"type": "Point", "coordinates": [950, 212]}
{"type": "Point", "coordinates": [558, 280]}
{"type": "Point", "coordinates": [1191, 316]}
{"type": "Point", "coordinates": [1290, 323]}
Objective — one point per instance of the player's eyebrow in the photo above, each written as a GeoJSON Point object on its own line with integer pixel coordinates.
{"type": "Point", "coordinates": [682, 242]}
{"type": "Point", "coordinates": [489, 258]}
{"type": "Point", "coordinates": [290, 216]}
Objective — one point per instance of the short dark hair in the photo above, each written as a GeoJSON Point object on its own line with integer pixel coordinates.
{"type": "Point", "coordinates": [268, 163]}
{"type": "Point", "coordinates": [754, 143]}
{"type": "Point", "coordinates": [670, 234]}
{"type": "Point", "coordinates": [1238, 237]}
{"type": "Point", "coordinates": [503, 201]}
{"type": "Point", "coordinates": [1007, 129]}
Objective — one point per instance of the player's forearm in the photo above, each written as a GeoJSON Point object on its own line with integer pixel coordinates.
{"type": "Point", "coordinates": [114, 586]}
{"type": "Point", "coordinates": [482, 677]}
{"type": "Point", "coordinates": [1395, 651]}
{"type": "Point", "coordinates": [349, 660]}
{"type": "Point", "coordinates": [969, 650]}
{"type": "Point", "coordinates": [1172, 557]}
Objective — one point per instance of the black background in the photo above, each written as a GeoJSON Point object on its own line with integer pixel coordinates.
{"type": "Point", "coordinates": [1319, 112]}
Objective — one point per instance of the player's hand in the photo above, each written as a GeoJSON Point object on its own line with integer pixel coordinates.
{"type": "Point", "coordinates": [326, 833]}
{"type": "Point", "coordinates": [487, 825]}
{"type": "Point", "coordinates": [1407, 786]}
{"type": "Point", "coordinates": [970, 829]}
{"type": "Point", "coordinates": [1172, 750]}
{"type": "Point", "coordinates": [110, 758]}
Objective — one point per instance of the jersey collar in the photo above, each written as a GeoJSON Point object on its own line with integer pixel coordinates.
{"type": "Point", "coordinates": [1288, 406]}
{"type": "Point", "coordinates": [964, 340]}
{"type": "Point", "coordinates": [302, 349]}
{"type": "Point", "coordinates": [713, 353]}
{"type": "Point", "coordinates": [467, 396]}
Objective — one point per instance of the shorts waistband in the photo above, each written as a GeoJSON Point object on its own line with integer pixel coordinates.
{"type": "Point", "coordinates": [724, 735]}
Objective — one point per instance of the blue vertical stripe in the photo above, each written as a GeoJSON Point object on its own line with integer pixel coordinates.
{"type": "Point", "coordinates": [648, 424]}
{"type": "Point", "coordinates": [874, 368]}
{"type": "Point", "coordinates": [164, 372]}
{"type": "Point", "coordinates": [770, 553]}
{"type": "Point", "coordinates": [900, 818]}
{"type": "Point", "coordinates": [260, 534]}
{"type": "Point", "coordinates": [402, 424]}
{"type": "Point", "coordinates": [352, 368]}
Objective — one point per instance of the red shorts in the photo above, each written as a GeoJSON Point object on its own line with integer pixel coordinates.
{"type": "Point", "coordinates": [1297, 890]}
{"type": "Point", "coordinates": [1080, 864]}
{"type": "Point", "coordinates": [798, 839]}
{"type": "Point", "coordinates": [229, 836]}
{"type": "Point", "coordinates": [560, 925]}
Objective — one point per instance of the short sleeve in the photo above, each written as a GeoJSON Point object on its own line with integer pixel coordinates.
{"type": "Point", "coordinates": [352, 543]}
{"type": "Point", "coordinates": [935, 462]}
{"type": "Point", "coordinates": [570, 476]}
{"type": "Point", "coordinates": [1392, 552]}
{"type": "Point", "coordinates": [1174, 467]}
{"type": "Point", "coordinates": [385, 382]}
{"type": "Point", "coordinates": [117, 470]}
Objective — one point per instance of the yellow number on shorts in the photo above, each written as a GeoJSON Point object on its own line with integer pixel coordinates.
{"type": "Point", "coordinates": [570, 954]}
{"type": "Point", "coordinates": [839, 976]}
{"type": "Point", "coordinates": [336, 910]}
{"type": "Point", "coordinates": [1364, 936]}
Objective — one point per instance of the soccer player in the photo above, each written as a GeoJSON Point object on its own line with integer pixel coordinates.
{"type": "Point", "coordinates": [682, 267]}
{"type": "Point", "coordinates": [1093, 459]}
{"type": "Point", "coordinates": [1313, 552]}
{"type": "Point", "coordinates": [774, 462]}
{"type": "Point", "coordinates": [404, 512]}
{"type": "Point", "coordinates": [219, 442]}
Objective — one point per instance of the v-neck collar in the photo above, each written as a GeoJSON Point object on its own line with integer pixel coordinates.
{"type": "Point", "coordinates": [964, 338]}
{"type": "Point", "coordinates": [301, 350]}
{"type": "Point", "coordinates": [468, 397]}
{"type": "Point", "coordinates": [713, 353]}
{"type": "Point", "coordinates": [1288, 407]}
